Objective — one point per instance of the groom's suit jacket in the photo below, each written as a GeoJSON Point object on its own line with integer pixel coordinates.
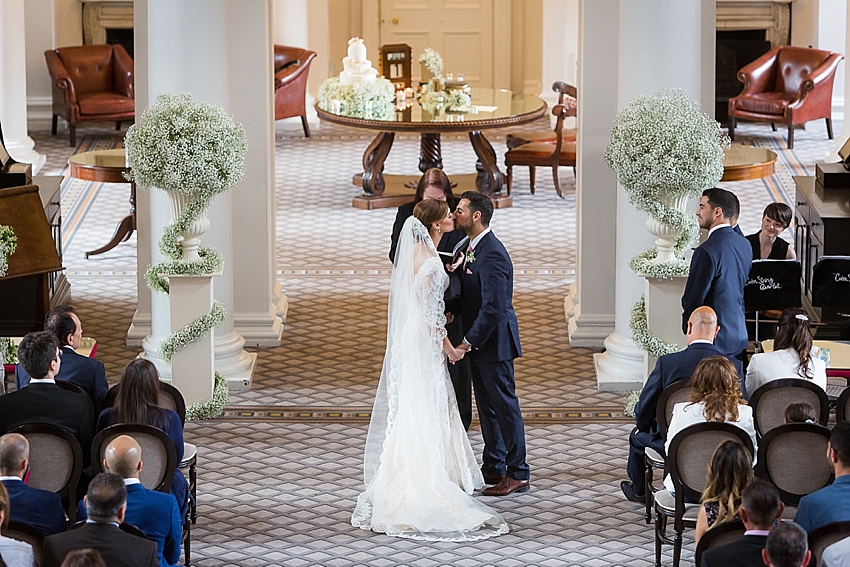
{"type": "Point", "coordinates": [489, 320]}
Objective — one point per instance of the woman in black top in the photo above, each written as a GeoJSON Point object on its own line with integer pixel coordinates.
{"type": "Point", "coordinates": [766, 243]}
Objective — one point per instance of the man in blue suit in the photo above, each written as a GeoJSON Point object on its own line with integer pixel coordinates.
{"type": "Point", "coordinates": [669, 369]}
{"type": "Point", "coordinates": [156, 514]}
{"type": "Point", "coordinates": [719, 270]}
{"type": "Point", "coordinates": [832, 503]}
{"type": "Point", "coordinates": [87, 373]}
{"type": "Point", "coordinates": [491, 339]}
{"type": "Point", "coordinates": [39, 508]}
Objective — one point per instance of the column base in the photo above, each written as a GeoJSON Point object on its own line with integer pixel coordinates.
{"type": "Point", "coordinates": [233, 362]}
{"type": "Point", "coordinates": [621, 367]}
{"type": "Point", "coordinates": [23, 150]}
{"type": "Point", "coordinates": [585, 331]}
{"type": "Point", "coordinates": [139, 329]}
{"type": "Point", "coordinates": [242, 380]}
{"type": "Point", "coordinates": [259, 330]}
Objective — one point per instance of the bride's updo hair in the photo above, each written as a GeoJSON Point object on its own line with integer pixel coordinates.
{"type": "Point", "coordinates": [430, 211]}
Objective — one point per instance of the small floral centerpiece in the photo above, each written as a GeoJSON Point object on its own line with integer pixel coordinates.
{"type": "Point", "coordinates": [432, 62]}
{"type": "Point", "coordinates": [8, 245]}
{"type": "Point", "coordinates": [369, 100]}
{"type": "Point", "coordinates": [433, 96]}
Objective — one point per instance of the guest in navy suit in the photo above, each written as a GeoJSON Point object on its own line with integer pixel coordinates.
{"type": "Point", "coordinates": [156, 514]}
{"type": "Point", "coordinates": [39, 508]}
{"type": "Point", "coordinates": [491, 339]}
{"type": "Point", "coordinates": [832, 503]}
{"type": "Point", "coordinates": [669, 369]}
{"type": "Point", "coordinates": [87, 373]}
{"type": "Point", "coordinates": [137, 402]}
{"type": "Point", "coordinates": [719, 270]}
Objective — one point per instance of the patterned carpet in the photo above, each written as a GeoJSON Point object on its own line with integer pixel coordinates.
{"type": "Point", "coordinates": [279, 472]}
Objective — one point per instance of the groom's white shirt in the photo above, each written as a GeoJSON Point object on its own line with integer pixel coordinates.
{"type": "Point", "coordinates": [478, 238]}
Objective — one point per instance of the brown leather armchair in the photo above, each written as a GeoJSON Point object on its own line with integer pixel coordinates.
{"type": "Point", "coordinates": [291, 66]}
{"type": "Point", "coordinates": [789, 85]}
{"type": "Point", "coordinates": [91, 83]}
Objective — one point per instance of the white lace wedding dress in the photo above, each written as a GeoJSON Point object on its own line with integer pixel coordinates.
{"type": "Point", "coordinates": [419, 467]}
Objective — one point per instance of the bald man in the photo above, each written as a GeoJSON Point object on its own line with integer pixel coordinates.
{"type": "Point", "coordinates": [701, 330]}
{"type": "Point", "coordinates": [33, 506]}
{"type": "Point", "coordinates": [155, 513]}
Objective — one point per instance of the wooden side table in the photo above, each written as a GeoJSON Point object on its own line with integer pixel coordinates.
{"type": "Point", "coordinates": [107, 166]}
{"type": "Point", "coordinates": [743, 163]}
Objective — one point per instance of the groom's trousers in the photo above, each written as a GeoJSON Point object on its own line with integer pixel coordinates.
{"type": "Point", "coordinates": [461, 374]}
{"type": "Point", "coordinates": [501, 421]}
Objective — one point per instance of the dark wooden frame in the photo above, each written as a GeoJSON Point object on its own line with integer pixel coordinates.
{"type": "Point", "coordinates": [98, 446]}
{"type": "Point", "coordinates": [761, 469]}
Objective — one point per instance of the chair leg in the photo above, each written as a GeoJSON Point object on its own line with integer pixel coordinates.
{"type": "Point", "coordinates": [53, 125]}
{"type": "Point", "coordinates": [773, 126]}
{"type": "Point", "coordinates": [790, 136]}
{"type": "Point", "coordinates": [557, 181]}
{"type": "Point", "coordinates": [732, 122]}
{"type": "Point", "coordinates": [647, 515]}
{"type": "Point", "coordinates": [658, 541]}
{"type": "Point", "coordinates": [305, 126]}
{"type": "Point", "coordinates": [117, 125]}
{"type": "Point", "coordinates": [532, 175]}
{"type": "Point", "coordinates": [510, 178]}
{"type": "Point", "coordinates": [73, 128]}
{"type": "Point", "coordinates": [829, 128]}
{"type": "Point", "coordinates": [677, 548]}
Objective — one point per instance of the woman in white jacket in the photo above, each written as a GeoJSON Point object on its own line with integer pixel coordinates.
{"type": "Point", "coordinates": [793, 355]}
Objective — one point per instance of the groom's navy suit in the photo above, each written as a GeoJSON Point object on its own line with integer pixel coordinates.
{"type": "Point", "coordinates": [490, 326]}
{"type": "Point", "coordinates": [719, 270]}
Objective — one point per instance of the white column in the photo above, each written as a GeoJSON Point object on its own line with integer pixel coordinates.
{"type": "Point", "coordinates": [590, 305]}
{"type": "Point", "coordinates": [560, 48]}
{"type": "Point", "coordinates": [841, 138]}
{"type": "Point", "coordinates": [660, 46]}
{"type": "Point", "coordinates": [13, 86]}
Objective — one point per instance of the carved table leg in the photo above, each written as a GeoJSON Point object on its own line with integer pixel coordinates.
{"type": "Point", "coordinates": [430, 152]}
{"type": "Point", "coordinates": [489, 180]}
{"type": "Point", "coordinates": [373, 164]}
{"type": "Point", "coordinates": [124, 230]}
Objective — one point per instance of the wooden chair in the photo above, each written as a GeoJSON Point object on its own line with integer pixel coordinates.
{"type": "Point", "coordinates": [770, 400]}
{"type": "Point", "coordinates": [27, 534]}
{"type": "Point", "coordinates": [65, 385]}
{"type": "Point", "coordinates": [291, 67]}
{"type": "Point", "coordinates": [718, 535]}
{"type": "Point", "coordinates": [561, 153]}
{"type": "Point", "coordinates": [825, 536]}
{"type": "Point", "coordinates": [158, 453]}
{"type": "Point", "coordinates": [842, 406]}
{"type": "Point", "coordinates": [671, 395]}
{"type": "Point", "coordinates": [787, 85]}
{"type": "Point", "coordinates": [687, 460]}
{"type": "Point", "coordinates": [91, 83]}
{"type": "Point", "coordinates": [793, 458]}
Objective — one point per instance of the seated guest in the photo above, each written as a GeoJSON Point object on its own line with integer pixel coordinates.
{"type": "Point", "coordinates": [106, 504]}
{"type": "Point", "coordinates": [83, 558]}
{"type": "Point", "coordinates": [716, 396]}
{"type": "Point", "coordinates": [670, 368]}
{"type": "Point", "coordinates": [760, 510]}
{"type": "Point", "coordinates": [155, 513]}
{"type": "Point", "coordinates": [729, 471]}
{"type": "Point", "coordinates": [87, 373]}
{"type": "Point", "coordinates": [831, 503]}
{"type": "Point", "coordinates": [787, 546]}
{"type": "Point", "coordinates": [39, 508]}
{"type": "Point", "coordinates": [137, 402]}
{"type": "Point", "coordinates": [800, 412]}
{"type": "Point", "coordinates": [793, 355]}
{"type": "Point", "coordinates": [42, 401]}
{"type": "Point", "coordinates": [13, 553]}
{"type": "Point", "coordinates": [766, 243]}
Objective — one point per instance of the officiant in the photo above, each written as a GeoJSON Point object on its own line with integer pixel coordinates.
{"type": "Point", "coordinates": [434, 184]}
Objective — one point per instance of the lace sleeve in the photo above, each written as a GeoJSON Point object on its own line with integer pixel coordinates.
{"type": "Point", "coordinates": [432, 281]}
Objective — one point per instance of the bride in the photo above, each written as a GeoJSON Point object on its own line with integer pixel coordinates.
{"type": "Point", "coordinates": [419, 467]}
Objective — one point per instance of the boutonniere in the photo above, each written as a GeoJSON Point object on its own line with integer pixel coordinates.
{"type": "Point", "coordinates": [470, 257]}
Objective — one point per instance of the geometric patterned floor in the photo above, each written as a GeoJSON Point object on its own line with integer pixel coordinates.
{"type": "Point", "coordinates": [279, 473]}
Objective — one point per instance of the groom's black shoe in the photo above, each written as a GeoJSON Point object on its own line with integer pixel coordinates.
{"type": "Point", "coordinates": [629, 490]}
{"type": "Point", "coordinates": [492, 478]}
{"type": "Point", "coordinates": [507, 486]}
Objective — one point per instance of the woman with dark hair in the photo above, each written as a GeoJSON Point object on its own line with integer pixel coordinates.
{"type": "Point", "coordinates": [793, 355]}
{"type": "Point", "coordinates": [715, 396]}
{"type": "Point", "coordinates": [728, 473]}
{"type": "Point", "coordinates": [13, 553]}
{"type": "Point", "coordinates": [137, 402]}
{"type": "Point", "coordinates": [86, 557]}
{"type": "Point", "coordinates": [766, 243]}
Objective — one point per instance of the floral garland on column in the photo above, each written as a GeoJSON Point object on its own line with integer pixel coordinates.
{"type": "Point", "coordinates": [8, 245]}
{"type": "Point", "coordinates": [196, 149]}
{"type": "Point", "coordinates": [663, 146]}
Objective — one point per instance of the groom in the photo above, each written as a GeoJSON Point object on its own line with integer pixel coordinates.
{"type": "Point", "coordinates": [491, 337]}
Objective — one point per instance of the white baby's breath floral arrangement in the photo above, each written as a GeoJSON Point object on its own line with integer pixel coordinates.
{"type": "Point", "coordinates": [213, 407]}
{"type": "Point", "coordinates": [197, 149]}
{"type": "Point", "coordinates": [8, 245]}
{"type": "Point", "coordinates": [433, 61]}
{"type": "Point", "coordinates": [8, 351]}
{"type": "Point", "coordinates": [653, 344]}
{"type": "Point", "coordinates": [662, 147]}
{"type": "Point", "coordinates": [457, 100]}
{"type": "Point", "coordinates": [372, 101]}
{"type": "Point", "coordinates": [632, 398]}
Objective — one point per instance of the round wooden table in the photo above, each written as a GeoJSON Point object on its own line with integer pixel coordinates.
{"type": "Point", "coordinates": [742, 163]}
{"type": "Point", "coordinates": [491, 108]}
{"type": "Point", "coordinates": [107, 166]}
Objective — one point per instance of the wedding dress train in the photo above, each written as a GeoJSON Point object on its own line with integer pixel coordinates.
{"type": "Point", "coordinates": [419, 467]}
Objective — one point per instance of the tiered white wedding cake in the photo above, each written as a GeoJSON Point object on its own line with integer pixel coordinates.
{"type": "Point", "coordinates": [356, 68]}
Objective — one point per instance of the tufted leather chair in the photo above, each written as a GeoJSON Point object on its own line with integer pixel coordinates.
{"type": "Point", "coordinates": [789, 85]}
{"type": "Point", "coordinates": [91, 83]}
{"type": "Point", "coordinates": [291, 66]}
